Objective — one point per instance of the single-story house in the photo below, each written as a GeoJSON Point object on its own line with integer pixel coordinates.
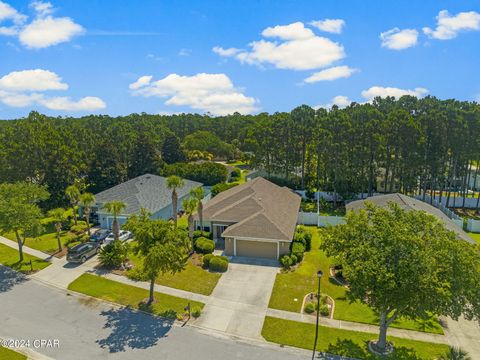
{"type": "Point", "coordinates": [147, 191]}
{"type": "Point", "coordinates": [409, 203]}
{"type": "Point", "coordinates": [255, 219]}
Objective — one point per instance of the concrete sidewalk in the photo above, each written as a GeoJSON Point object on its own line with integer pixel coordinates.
{"type": "Point", "coordinates": [29, 251]}
{"type": "Point", "coordinates": [353, 326]}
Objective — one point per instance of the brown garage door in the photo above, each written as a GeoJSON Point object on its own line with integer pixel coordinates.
{"type": "Point", "coordinates": [259, 249]}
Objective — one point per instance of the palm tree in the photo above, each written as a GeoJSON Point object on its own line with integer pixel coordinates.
{"type": "Point", "coordinates": [174, 182]}
{"type": "Point", "coordinates": [73, 193]}
{"type": "Point", "coordinates": [455, 353]}
{"type": "Point", "coordinates": [190, 205]}
{"type": "Point", "coordinates": [115, 208]}
{"type": "Point", "coordinates": [87, 200]}
{"type": "Point", "coordinates": [59, 216]}
{"type": "Point", "coordinates": [199, 194]}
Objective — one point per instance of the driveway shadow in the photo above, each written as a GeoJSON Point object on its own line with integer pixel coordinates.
{"type": "Point", "coordinates": [132, 330]}
{"type": "Point", "coordinates": [254, 261]}
{"type": "Point", "coordinates": [9, 278]}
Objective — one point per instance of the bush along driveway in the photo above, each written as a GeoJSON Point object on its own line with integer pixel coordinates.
{"type": "Point", "coordinates": [291, 287]}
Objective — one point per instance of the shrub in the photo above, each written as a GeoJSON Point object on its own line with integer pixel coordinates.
{"type": "Point", "coordinates": [199, 233]}
{"type": "Point", "coordinates": [113, 255]}
{"type": "Point", "coordinates": [83, 238]}
{"type": "Point", "coordinates": [308, 241]}
{"type": "Point", "coordinates": [204, 245]}
{"type": "Point", "coordinates": [324, 310]}
{"type": "Point", "coordinates": [300, 238]}
{"type": "Point", "coordinates": [294, 259]}
{"type": "Point", "coordinates": [78, 229]}
{"type": "Point", "coordinates": [298, 249]}
{"type": "Point", "coordinates": [309, 308]}
{"type": "Point", "coordinates": [286, 261]}
{"type": "Point", "coordinates": [218, 264]}
{"type": "Point", "coordinates": [206, 260]}
{"type": "Point", "coordinates": [208, 173]}
{"type": "Point", "coordinates": [218, 188]}
{"type": "Point", "coordinates": [137, 274]}
{"type": "Point", "coordinates": [196, 311]}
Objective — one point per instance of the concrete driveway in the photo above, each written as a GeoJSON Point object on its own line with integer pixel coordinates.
{"type": "Point", "coordinates": [239, 302]}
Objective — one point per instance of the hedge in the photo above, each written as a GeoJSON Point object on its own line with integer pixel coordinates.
{"type": "Point", "coordinates": [218, 264]}
{"type": "Point", "coordinates": [204, 245]}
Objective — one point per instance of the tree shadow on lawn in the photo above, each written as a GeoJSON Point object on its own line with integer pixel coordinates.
{"type": "Point", "coordinates": [349, 349]}
{"type": "Point", "coordinates": [9, 278]}
{"type": "Point", "coordinates": [132, 329]}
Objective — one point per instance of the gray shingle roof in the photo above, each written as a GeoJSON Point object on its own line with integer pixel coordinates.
{"type": "Point", "coordinates": [259, 209]}
{"type": "Point", "coordinates": [409, 203]}
{"type": "Point", "coordinates": [146, 191]}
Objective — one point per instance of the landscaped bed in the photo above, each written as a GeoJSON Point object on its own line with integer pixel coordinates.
{"type": "Point", "coordinates": [291, 287]}
{"type": "Point", "coordinates": [8, 354]}
{"type": "Point", "coordinates": [9, 257]}
{"type": "Point", "coordinates": [165, 305]}
{"type": "Point", "coordinates": [344, 342]}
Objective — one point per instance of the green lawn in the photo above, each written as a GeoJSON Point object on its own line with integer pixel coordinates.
{"type": "Point", "coordinates": [344, 342]}
{"type": "Point", "coordinates": [475, 237]}
{"type": "Point", "coordinates": [8, 354]}
{"type": "Point", "coordinates": [291, 287]}
{"type": "Point", "coordinates": [9, 257]}
{"type": "Point", "coordinates": [96, 286]}
{"type": "Point", "coordinates": [193, 278]}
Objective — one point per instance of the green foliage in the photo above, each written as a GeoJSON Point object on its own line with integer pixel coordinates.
{"type": "Point", "coordinates": [309, 308]}
{"type": "Point", "coordinates": [324, 311]}
{"type": "Point", "coordinates": [286, 261]}
{"type": "Point", "coordinates": [171, 150]}
{"type": "Point", "coordinates": [199, 233]}
{"type": "Point", "coordinates": [298, 249]}
{"type": "Point", "coordinates": [114, 254]}
{"type": "Point", "coordinates": [293, 259]}
{"type": "Point", "coordinates": [208, 173]}
{"type": "Point", "coordinates": [206, 260]}
{"type": "Point", "coordinates": [455, 353]}
{"type": "Point", "coordinates": [204, 245]}
{"type": "Point", "coordinates": [218, 188]}
{"type": "Point", "coordinates": [78, 229]}
{"type": "Point", "coordinates": [196, 311]}
{"type": "Point", "coordinates": [206, 141]}
{"type": "Point", "coordinates": [218, 264]}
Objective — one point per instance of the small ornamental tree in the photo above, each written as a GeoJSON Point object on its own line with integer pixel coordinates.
{"type": "Point", "coordinates": [59, 216]}
{"type": "Point", "coordinates": [405, 264]}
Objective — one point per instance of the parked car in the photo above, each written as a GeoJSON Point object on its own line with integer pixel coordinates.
{"type": "Point", "coordinates": [124, 235]}
{"type": "Point", "coordinates": [100, 236]}
{"type": "Point", "coordinates": [81, 252]}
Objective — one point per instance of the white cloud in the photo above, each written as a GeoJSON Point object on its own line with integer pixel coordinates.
{"type": "Point", "coordinates": [332, 73]}
{"type": "Point", "coordinates": [184, 52]}
{"type": "Point", "coordinates": [380, 91]}
{"type": "Point", "coordinates": [397, 39]}
{"type": "Point", "coordinates": [25, 88]}
{"type": "Point", "coordinates": [213, 93]}
{"type": "Point", "coordinates": [42, 8]}
{"type": "Point", "coordinates": [298, 49]}
{"type": "Point", "coordinates": [9, 13]}
{"type": "Point", "coordinates": [48, 31]}
{"type": "Point", "coordinates": [339, 100]}
{"type": "Point", "coordinates": [334, 26]}
{"type": "Point", "coordinates": [448, 26]}
{"type": "Point", "coordinates": [226, 52]}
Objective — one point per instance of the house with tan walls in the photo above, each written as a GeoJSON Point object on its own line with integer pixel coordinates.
{"type": "Point", "coordinates": [255, 219]}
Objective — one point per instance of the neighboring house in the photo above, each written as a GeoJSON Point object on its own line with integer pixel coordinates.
{"type": "Point", "coordinates": [408, 203]}
{"type": "Point", "coordinates": [255, 219]}
{"type": "Point", "coordinates": [146, 191]}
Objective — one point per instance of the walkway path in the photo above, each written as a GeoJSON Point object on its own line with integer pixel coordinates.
{"type": "Point", "coordinates": [348, 325]}
{"type": "Point", "coordinates": [464, 334]}
{"type": "Point", "coordinates": [27, 250]}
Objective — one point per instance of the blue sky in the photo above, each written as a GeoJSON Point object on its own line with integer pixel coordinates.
{"type": "Point", "coordinates": [119, 57]}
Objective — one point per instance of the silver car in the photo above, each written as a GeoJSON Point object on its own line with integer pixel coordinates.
{"type": "Point", "coordinates": [124, 235]}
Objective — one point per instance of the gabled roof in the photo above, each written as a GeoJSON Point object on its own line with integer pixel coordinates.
{"type": "Point", "coordinates": [409, 203]}
{"type": "Point", "coordinates": [259, 209]}
{"type": "Point", "coordinates": [146, 191]}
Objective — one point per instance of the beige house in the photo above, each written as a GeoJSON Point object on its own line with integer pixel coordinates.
{"type": "Point", "coordinates": [255, 219]}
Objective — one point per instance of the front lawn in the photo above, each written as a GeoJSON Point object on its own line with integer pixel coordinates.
{"type": "Point", "coordinates": [475, 237]}
{"type": "Point", "coordinates": [8, 354]}
{"type": "Point", "coordinates": [9, 257]}
{"type": "Point", "coordinates": [291, 287]}
{"type": "Point", "coordinates": [193, 278]}
{"type": "Point", "coordinates": [166, 305]}
{"type": "Point", "coordinates": [344, 342]}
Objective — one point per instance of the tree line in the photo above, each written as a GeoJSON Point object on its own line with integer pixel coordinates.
{"type": "Point", "coordinates": [412, 145]}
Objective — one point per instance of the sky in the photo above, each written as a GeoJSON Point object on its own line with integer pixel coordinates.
{"type": "Point", "coordinates": [73, 57]}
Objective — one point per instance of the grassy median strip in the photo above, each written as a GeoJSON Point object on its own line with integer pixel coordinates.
{"type": "Point", "coordinates": [292, 286]}
{"type": "Point", "coordinates": [9, 257]}
{"type": "Point", "coordinates": [166, 305]}
{"type": "Point", "coordinates": [345, 342]}
{"type": "Point", "coordinates": [8, 354]}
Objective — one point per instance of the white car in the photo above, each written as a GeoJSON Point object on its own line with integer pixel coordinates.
{"type": "Point", "coordinates": [124, 235]}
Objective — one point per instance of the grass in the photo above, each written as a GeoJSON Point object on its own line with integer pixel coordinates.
{"type": "Point", "coordinates": [9, 257]}
{"type": "Point", "coordinates": [8, 354]}
{"type": "Point", "coordinates": [475, 236]}
{"type": "Point", "coordinates": [292, 286]}
{"type": "Point", "coordinates": [193, 278]}
{"type": "Point", "coordinates": [166, 305]}
{"type": "Point", "coordinates": [345, 342]}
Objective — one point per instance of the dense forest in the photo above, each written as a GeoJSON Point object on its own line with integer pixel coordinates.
{"type": "Point", "coordinates": [415, 145]}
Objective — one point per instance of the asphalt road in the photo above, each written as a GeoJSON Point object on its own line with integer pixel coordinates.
{"type": "Point", "coordinates": [90, 329]}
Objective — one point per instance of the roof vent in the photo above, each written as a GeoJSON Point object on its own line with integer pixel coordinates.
{"type": "Point", "coordinates": [148, 177]}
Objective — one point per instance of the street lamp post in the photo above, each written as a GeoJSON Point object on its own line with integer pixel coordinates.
{"type": "Point", "coordinates": [319, 276]}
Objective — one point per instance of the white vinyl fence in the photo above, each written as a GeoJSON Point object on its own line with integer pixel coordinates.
{"type": "Point", "coordinates": [455, 202]}
{"type": "Point", "coordinates": [311, 218]}
{"type": "Point", "coordinates": [473, 225]}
